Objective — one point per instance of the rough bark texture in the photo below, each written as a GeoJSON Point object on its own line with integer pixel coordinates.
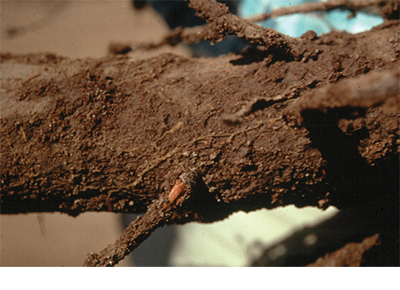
{"type": "Point", "coordinates": [260, 129]}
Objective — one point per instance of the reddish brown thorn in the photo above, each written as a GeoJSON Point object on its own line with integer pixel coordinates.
{"type": "Point", "coordinates": [177, 191]}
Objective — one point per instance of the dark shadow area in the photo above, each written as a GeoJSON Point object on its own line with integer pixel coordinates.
{"type": "Point", "coordinates": [355, 182]}
{"type": "Point", "coordinates": [368, 196]}
{"type": "Point", "coordinates": [254, 54]}
{"type": "Point", "coordinates": [351, 225]}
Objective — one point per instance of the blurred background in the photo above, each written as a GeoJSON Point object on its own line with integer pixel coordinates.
{"type": "Point", "coordinates": [81, 29]}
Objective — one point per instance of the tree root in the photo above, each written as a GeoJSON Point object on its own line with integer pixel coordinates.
{"type": "Point", "coordinates": [114, 134]}
{"type": "Point", "coordinates": [388, 9]}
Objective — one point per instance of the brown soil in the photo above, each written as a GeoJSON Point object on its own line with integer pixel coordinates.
{"type": "Point", "coordinates": [114, 134]}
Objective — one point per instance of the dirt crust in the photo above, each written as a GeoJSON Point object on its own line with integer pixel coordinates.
{"type": "Point", "coordinates": [82, 134]}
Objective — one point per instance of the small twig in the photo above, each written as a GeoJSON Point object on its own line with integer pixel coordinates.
{"type": "Point", "coordinates": [188, 35]}
{"type": "Point", "coordinates": [367, 91]}
{"type": "Point", "coordinates": [159, 213]}
{"type": "Point", "coordinates": [137, 232]}
{"type": "Point", "coordinates": [353, 5]}
{"type": "Point", "coordinates": [250, 31]}
{"type": "Point", "coordinates": [222, 22]}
